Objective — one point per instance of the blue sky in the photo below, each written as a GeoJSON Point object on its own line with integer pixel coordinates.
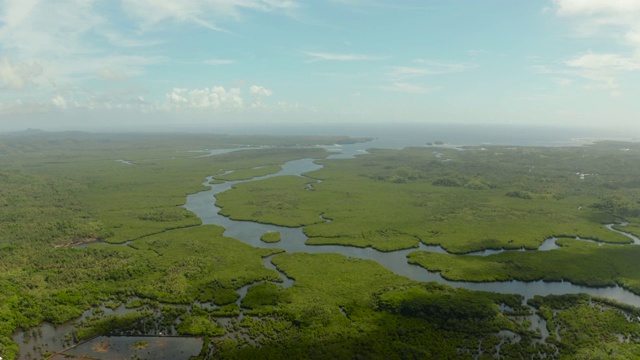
{"type": "Point", "coordinates": [81, 64]}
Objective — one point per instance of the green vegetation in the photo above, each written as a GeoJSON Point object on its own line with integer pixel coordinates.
{"type": "Point", "coordinates": [262, 294]}
{"type": "Point", "coordinates": [199, 326]}
{"type": "Point", "coordinates": [266, 201]}
{"type": "Point", "coordinates": [245, 174]}
{"type": "Point", "coordinates": [271, 237]}
{"type": "Point", "coordinates": [340, 308]}
{"type": "Point", "coordinates": [139, 345]}
{"type": "Point", "coordinates": [62, 190]}
{"type": "Point", "coordinates": [108, 324]}
{"type": "Point", "coordinates": [579, 262]}
{"type": "Point", "coordinates": [66, 187]}
{"type": "Point", "coordinates": [392, 199]}
{"type": "Point", "coordinates": [588, 331]}
{"type": "Point", "coordinates": [520, 194]}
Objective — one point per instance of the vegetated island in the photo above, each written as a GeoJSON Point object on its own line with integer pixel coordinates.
{"type": "Point", "coordinates": [271, 237]}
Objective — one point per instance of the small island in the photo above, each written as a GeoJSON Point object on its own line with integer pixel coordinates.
{"type": "Point", "coordinates": [270, 237]}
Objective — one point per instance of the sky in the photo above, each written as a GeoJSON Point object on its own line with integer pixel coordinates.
{"type": "Point", "coordinates": [84, 64]}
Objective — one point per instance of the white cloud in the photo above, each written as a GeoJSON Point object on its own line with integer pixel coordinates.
{"type": "Point", "coordinates": [403, 72]}
{"type": "Point", "coordinates": [53, 35]}
{"type": "Point", "coordinates": [59, 102]}
{"type": "Point", "coordinates": [427, 68]}
{"type": "Point", "coordinates": [16, 11]}
{"type": "Point", "coordinates": [436, 67]}
{"type": "Point", "coordinates": [17, 76]}
{"type": "Point", "coordinates": [341, 57]}
{"type": "Point", "coordinates": [596, 7]}
{"type": "Point", "coordinates": [258, 92]}
{"type": "Point", "coordinates": [51, 45]}
{"type": "Point", "coordinates": [110, 74]}
{"type": "Point", "coordinates": [23, 107]}
{"type": "Point", "coordinates": [602, 70]}
{"type": "Point", "coordinates": [205, 13]}
{"type": "Point", "coordinates": [203, 100]}
{"type": "Point", "coordinates": [604, 62]}
{"type": "Point", "coordinates": [389, 4]}
{"type": "Point", "coordinates": [409, 88]}
{"type": "Point", "coordinates": [286, 106]}
{"type": "Point", "coordinates": [215, 98]}
{"type": "Point", "coordinates": [632, 37]}
{"type": "Point", "coordinates": [615, 20]}
{"type": "Point", "coordinates": [53, 29]}
{"type": "Point", "coordinates": [563, 81]}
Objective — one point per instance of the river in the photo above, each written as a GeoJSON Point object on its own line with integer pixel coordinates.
{"type": "Point", "coordinates": [50, 338]}
{"type": "Point", "coordinates": [293, 240]}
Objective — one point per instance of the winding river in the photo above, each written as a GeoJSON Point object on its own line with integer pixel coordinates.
{"type": "Point", "coordinates": [51, 337]}
{"type": "Point", "coordinates": [293, 240]}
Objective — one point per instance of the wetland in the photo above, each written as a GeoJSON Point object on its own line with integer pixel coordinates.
{"type": "Point", "coordinates": [429, 251]}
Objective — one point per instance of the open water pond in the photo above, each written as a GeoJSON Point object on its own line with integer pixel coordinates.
{"type": "Point", "coordinates": [143, 347]}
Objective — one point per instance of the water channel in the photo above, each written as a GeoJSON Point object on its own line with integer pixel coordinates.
{"type": "Point", "coordinates": [293, 240]}
{"type": "Point", "coordinates": [51, 338]}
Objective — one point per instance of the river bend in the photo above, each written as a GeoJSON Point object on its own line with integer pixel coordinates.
{"type": "Point", "coordinates": [293, 240]}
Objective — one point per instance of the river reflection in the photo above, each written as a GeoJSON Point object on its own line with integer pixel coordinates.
{"type": "Point", "coordinates": [293, 240]}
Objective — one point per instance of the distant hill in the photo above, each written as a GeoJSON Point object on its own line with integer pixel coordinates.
{"type": "Point", "coordinates": [27, 132]}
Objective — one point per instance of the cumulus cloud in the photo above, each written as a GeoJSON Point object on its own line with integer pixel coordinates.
{"type": "Point", "coordinates": [59, 102]}
{"type": "Point", "coordinates": [258, 92]}
{"type": "Point", "coordinates": [17, 76]}
{"type": "Point", "coordinates": [215, 98]}
{"type": "Point", "coordinates": [65, 43]}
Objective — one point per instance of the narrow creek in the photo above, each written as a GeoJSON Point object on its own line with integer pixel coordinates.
{"type": "Point", "coordinates": [293, 240]}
